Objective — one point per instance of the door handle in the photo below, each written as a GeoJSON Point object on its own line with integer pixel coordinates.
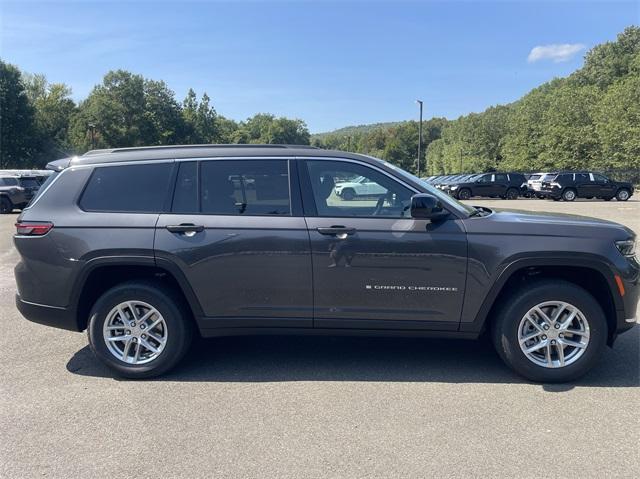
{"type": "Point", "coordinates": [187, 228]}
{"type": "Point", "coordinates": [339, 231]}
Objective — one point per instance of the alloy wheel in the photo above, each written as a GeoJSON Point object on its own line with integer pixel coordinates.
{"type": "Point", "coordinates": [553, 334]}
{"type": "Point", "coordinates": [135, 332]}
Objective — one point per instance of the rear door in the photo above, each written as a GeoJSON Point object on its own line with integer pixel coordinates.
{"type": "Point", "coordinates": [236, 233]}
{"type": "Point", "coordinates": [373, 265]}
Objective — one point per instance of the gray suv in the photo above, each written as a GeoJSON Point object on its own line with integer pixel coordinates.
{"type": "Point", "coordinates": [144, 247]}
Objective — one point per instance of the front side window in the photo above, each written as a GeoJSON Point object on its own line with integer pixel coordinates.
{"type": "Point", "coordinates": [484, 179]}
{"type": "Point", "coordinates": [599, 178]}
{"type": "Point", "coordinates": [127, 188]}
{"type": "Point", "coordinates": [245, 187]}
{"type": "Point", "coordinates": [345, 189]}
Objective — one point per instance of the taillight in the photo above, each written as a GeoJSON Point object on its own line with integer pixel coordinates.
{"type": "Point", "coordinates": [33, 229]}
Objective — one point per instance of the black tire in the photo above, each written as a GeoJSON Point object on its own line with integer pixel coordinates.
{"type": "Point", "coordinates": [569, 194]}
{"type": "Point", "coordinates": [623, 194]}
{"type": "Point", "coordinates": [507, 322]}
{"type": "Point", "coordinates": [464, 194]}
{"type": "Point", "coordinates": [170, 306]}
{"type": "Point", "coordinates": [512, 194]}
{"type": "Point", "coordinates": [6, 206]}
{"type": "Point", "coordinates": [348, 194]}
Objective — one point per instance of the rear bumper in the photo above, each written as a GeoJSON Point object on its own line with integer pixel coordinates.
{"type": "Point", "coordinates": [56, 317]}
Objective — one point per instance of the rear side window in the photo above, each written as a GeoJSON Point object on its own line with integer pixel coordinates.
{"type": "Point", "coordinates": [582, 177]}
{"type": "Point", "coordinates": [128, 189]}
{"type": "Point", "coordinates": [8, 181]}
{"type": "Point", "coordinates": [501, 177]}
{"type": "Point", "coordinates": [29, 183]}
{"type": "Point", "coordinates": [245, 187]}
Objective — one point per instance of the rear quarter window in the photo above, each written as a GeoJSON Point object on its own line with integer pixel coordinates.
{"type": "Point", "coordinates": [128, 188]}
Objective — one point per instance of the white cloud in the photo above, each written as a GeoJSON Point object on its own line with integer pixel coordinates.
{"type": "Point", "coordinates": [556, 52]}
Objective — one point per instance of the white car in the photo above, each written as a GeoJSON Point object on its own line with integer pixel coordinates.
{"type": "Point", "coordinates": [534, 183]}
{"type": "Point", "coordinates": [361, 186]}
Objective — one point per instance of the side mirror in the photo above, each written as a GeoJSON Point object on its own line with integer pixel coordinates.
{"type": "Point", "coordinates": [426, 206]}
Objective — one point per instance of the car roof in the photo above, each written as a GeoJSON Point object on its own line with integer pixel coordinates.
{"type": "Point", "coordinates": [147, 153]}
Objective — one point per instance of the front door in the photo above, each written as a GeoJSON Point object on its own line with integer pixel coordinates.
{"type": "Point", "coordinates": [484, 186]}
{"type": "Point", "coordinates": [373, 265]}
{"type": "Point", "coordinates": [235, 233]}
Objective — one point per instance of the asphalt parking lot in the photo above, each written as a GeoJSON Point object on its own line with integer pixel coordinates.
{"type": "Point", "coordinates": [312, 407]}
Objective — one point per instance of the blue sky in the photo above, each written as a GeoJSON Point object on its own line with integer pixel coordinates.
{"type": "Point", "coordinates": [331, 64]}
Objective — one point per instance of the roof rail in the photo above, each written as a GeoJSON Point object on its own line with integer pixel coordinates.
{"type": "Point", "coordinates": [205, 146]}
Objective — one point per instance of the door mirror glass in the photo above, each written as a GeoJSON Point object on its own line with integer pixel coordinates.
{"type": "Point", "coordinates": [426, 206]}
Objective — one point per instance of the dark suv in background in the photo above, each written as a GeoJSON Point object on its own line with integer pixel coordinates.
{"type": "Point", "coordinates": [145, 246]}
{"type": "Point", "coordinates": [568, 186]}
{"type": "Point", "coordinates": [494, 185]}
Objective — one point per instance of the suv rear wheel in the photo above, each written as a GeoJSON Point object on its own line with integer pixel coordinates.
{"type": "Point", "coordinates": [139, 330]}
{"type": "Point", "coordinates": [512, 194]}
{"type": "Point", "coordinates": [569, 194]}
{"type": "Point", "coordinates": [554, 331]}
{"type": "Point", "coordinates": [622, 194]}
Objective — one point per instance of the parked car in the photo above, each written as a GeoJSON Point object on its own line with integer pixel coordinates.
{"type": "Point", "coordinates": [534, 184]}
{"type": "Point", "coordinates": [571, 185]}
{"type": "Point", "coordinates": [494, 185]}
{"type": "Point", "coordinates": [358, 188]}
{"type": "Point", "coordinates": [144, 247]}
{"type": "Point", "coordinates": [12, 195]}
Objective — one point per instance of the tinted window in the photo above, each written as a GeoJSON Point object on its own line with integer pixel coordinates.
{"type": "Point", "coordinates": [245, 187]}
{"type": "Point", "coordinates": [599, 178]}
{"type": "Point", "coordinates": [500, 177]}
{"type": "Point", "coordinates": [343, 188]}
{"type": "Point", "coordinates": [484, 179]}
{"type": "Point", "coordinates": [131, 188]}
{"type": "Point", "coordinates": [582, 177]}
{"type": "Point", "coordinates": [29, 183]}
{"type": "Point", "coordinates": [8, 181]}
{"type": "Point", "coordinates": [517, 178]}
{"type": "Point", "coordinates": [185, 196]}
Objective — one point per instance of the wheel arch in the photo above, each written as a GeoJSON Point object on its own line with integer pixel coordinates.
{"type": "Point", "coordinates": [101, 274]}
{"type": "Point", "coordinates": [592, 274]}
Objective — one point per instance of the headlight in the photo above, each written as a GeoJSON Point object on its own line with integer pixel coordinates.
{"type": "Point", "coordinates": [555, 185]}
{"type": "Point", "coordinates": [454, 187]}
{"type": "Point", "coordinates": [627, 247]}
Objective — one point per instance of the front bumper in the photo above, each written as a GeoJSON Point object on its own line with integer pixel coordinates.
{"type": "Point", "coordinates": [54, 316]}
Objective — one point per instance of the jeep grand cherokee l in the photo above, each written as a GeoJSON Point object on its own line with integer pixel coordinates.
{"type": "Point", "coordinates": [571, 185]}
{"type": "Point", "coordinates": [495, 185]}
{"type": "Point", "coordinates": [143, 247]}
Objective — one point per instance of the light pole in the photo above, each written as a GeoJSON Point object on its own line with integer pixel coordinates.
{"type": "Point", "coordinates": [419, 102]}
{"type": "Point", "coordinates": [92, 127]}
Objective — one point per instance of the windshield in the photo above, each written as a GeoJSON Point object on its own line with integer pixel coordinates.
{"type": "Point", "coordinates": [428, 188]}
{"type": "Point", "coordinates": [535, 177]}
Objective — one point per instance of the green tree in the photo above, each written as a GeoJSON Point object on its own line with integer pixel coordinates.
{"type": "Point", "coordinates": [53, 111]}
{"type": "Point", "coordinates": [17, 120]}
{"type": "Point", "coordinates": [618, 124]}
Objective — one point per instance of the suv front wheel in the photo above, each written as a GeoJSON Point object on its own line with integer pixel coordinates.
{"type": "Point", "coordinates": [138, 329]}
{"type": "Point", "coordinates": [552, 331]}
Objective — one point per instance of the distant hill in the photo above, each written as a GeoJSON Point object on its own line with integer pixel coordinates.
{"type": "Point", "coordinates": [357, 129]}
